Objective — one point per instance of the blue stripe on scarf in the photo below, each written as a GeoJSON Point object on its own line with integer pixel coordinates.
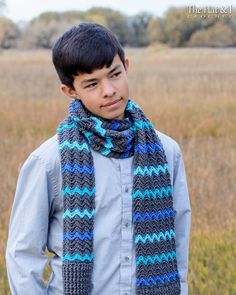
{"type": "Point", "coordinates": [153, 281]}
{"type": "Point", "coordinates": [75, 105]}
{"type": "Point", "coordinates": [144, 148]}
{"type": "Point", "coordinates": [129, 140]}
{"type": "Point", "coordinates": [116, 125]}
{"type": "Point", "coordinates": [76, 167]}
{"type": "Point", "coordinates": [71, 237]}
{"type": "Point", "coordinates": [153, 215]}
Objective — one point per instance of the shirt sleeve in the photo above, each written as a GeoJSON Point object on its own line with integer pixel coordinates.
{"type": "Point", "coordinates": [27, 239]}
{"type": "Point", "coordinates": [182, 219]}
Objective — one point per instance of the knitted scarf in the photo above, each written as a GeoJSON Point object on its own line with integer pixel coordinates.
{"type": "Point", "coordinates": [152, 201]}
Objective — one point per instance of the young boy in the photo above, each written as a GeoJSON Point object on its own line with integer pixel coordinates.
{"type": "Point", "coordinates": [107, 195]}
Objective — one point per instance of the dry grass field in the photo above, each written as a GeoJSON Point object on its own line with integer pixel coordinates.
{"type": "Point", "coordinates": [190, 94]}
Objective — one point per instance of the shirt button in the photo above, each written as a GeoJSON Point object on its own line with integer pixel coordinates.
{"type": "Point", "coordinates": [126, 189]}
{"type": "Point", "coordinates": [126, 258]}
{"type": "Point", "coordinates": [127, 224]}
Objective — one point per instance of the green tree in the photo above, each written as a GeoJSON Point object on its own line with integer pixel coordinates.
{"type": "Point", "coordinates": [140, 24]}
{"type": "Point", "coordinates": [114, 20]}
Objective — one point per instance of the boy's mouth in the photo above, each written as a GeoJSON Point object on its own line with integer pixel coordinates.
{"type": "Point", "coordinates": [112, 102]}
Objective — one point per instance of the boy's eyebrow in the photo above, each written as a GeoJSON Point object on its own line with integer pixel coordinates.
{"type": "Point", "coordinates": [88, 81]}
{"type": "Point", "coordinates": [94, 79]}
{"type": "Point", "coordinates": [114, 69]}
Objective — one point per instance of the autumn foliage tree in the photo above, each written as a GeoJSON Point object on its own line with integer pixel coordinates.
{"type": "Point", "coordinates": [176, 28]}
{"type": "Point", "coordinates": [219, 35]}
{"type": "Point", "coordinates": [9, 33]}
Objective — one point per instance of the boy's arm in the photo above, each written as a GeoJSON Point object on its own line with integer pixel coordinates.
{"type": "Point", "coordinates": [25, 253]}
{"type": "Point", "coordinates": [182, 219]}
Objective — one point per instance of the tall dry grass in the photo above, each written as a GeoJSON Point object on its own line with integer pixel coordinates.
{"type": "Point", "coordinates": [189, 94]}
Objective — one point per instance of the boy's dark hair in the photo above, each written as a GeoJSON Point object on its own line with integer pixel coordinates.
{"type": "Point", "coordinates": [84, 48]}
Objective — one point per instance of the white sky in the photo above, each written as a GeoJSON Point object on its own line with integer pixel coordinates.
{"type": "Point", "coordinates": [27, 9]}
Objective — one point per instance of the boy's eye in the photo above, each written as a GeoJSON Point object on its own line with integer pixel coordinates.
{"type": "Point", "coordinates": [117, 74]}
{"type": "Point", "coordinates": [91, 85]}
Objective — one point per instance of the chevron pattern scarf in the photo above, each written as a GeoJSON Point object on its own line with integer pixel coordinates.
{"type": "Point", "coordinates": [152, 202]}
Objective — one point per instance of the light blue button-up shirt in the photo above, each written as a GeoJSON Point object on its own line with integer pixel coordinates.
{"type": "Point", "coordinates": [36, 223]}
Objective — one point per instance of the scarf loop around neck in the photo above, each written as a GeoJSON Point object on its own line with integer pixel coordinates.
{"type": "Point", "coordinates": [152, 200]}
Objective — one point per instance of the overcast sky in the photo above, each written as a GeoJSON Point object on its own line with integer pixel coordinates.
{"type": "Point", "coordinates": [27, 9]}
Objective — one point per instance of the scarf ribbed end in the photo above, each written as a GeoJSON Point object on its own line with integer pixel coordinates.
{"type": "Point", "coordinates": [77, 278]}
{"type": "Point", "coordinates": [172, 289]}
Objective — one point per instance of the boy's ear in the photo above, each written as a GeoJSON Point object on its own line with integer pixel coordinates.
{"type": "Point", "coordinates": [126, 64]}
{"type": "Point", "coordinates": [69, 91]}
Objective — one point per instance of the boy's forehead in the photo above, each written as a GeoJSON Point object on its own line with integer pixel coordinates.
{"type": "Point", "coordinates": [116, 64]}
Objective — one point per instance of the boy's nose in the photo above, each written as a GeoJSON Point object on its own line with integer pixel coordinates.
{"type": "Point", "coordinates": [108, 89]}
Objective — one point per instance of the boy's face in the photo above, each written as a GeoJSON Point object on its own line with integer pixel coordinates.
{"type": "Point", "coordinates": [104, 92]}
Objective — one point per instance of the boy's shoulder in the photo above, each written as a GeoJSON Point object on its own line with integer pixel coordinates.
{"type": "Point", "coordinates": [169, 144]}
{"type": "Point", "coordinates": [172, 151]}
{"type": "Point", "coordinates": [48, 152]}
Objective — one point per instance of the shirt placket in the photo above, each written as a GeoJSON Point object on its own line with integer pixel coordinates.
{"type": "Point", "coordinates": [126, 229]}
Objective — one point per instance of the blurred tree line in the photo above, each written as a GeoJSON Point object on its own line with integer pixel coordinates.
{"type": "Point", "coordinates": [177, 28]}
